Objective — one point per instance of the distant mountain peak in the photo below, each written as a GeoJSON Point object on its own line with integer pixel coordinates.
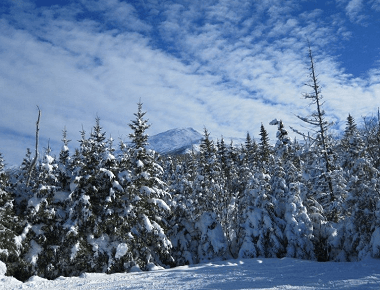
{"type": "Point", "coordinates": [175, 141]}
{"type": "Point", "coordinates": [182, 140]}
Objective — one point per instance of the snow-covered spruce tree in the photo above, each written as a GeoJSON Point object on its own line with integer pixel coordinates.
{"type": "Point", "coordinates": [299, 227]}
{"type": "Point", "coordinates": [229, 202]}
{"type": "Point", "coordinates": [207, 193]}
{"type": "Point", "coordinates": [286, 185]}
{"type": "Point", "coordinates": [43, 237]}
{"type": "Point", "coordinates": [351, 147]}
{"type": "Point", "coordinates": [265, 150]}
{"type": "Point", "coordinates": [375, 239]}
{"type": "Point", "coordinates": [371, 136]}
{"type": "Point", "coordinates": [262, 224]}
{"type": "Point", "coordinates": [283, 147]}
{"type": "Point", "coordinates": [75, 251]}
{"type": "Point", "coordinates": [281, 151]}
{"type": "Point", "coordinates": [64, 162]}
{"type": "Point", "coordinates": [251, 152]}
{"type": "Point", "coordinates": [149, 198]}
{"type": "Point", "coordinates": [363, 194]}
{"type": "Point", "coordinates": [206, 160]}
{"type": "Point", "coordinates": [310, 187]}
{"type": "Point", "coordinates": [246, 160]}
{"type": "Point", "coordinates": [9, 227]}
{"type": "Point", "coordinates": [262, 228]}
{"type": "Point", "coordinates": [351, 143]}
{"type": "Point", "coordinates": [87, 244]}
{"type": "Point", "coordinates": [21, 193]}
{"type": "Point", "coordinates": [169, 174]}
{"type": "Point", "coordinates": [182, 231]}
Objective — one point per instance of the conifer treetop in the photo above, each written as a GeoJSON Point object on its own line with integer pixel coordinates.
{"type": "Point", "coordinates": [139, 138]}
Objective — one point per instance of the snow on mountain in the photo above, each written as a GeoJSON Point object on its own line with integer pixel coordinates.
{"type": "Point", "coordinates": [183, 140]}
{"type": "Point", "coordinates": [175, 141]}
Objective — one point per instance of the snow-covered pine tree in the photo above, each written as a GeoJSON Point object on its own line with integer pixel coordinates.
{"type": "Point", "coordinates": [21, 192]}
{"type": "Point", "coordinates": [9, 227]}
{"type": "Point", "coordinates": [299, 227]}
{"type": "Point", "coordinates": [375, 239]}
{"type": "Point", "coordinates": [87, 243]}
{"type": "Point", "coordinates": [228, 188]}
{"type": "Point", "coordinates": [182, 231]}
{"type": "Point", "coordinates": [262, 225]}
{"type": "Point", "coordinates": [43, 238]}
{"type": "Point", "coordinates": [363, 196]}
{"type": "Point", "coordinates": [371, 136]}
{"type": "Point", "coordinates": [64, 162]}
{"type": "Point", "coordinates": [225, 196]}
{"type": "Point", "coordinates": [281, 152]}
{"type": "Point", "coordinates": [361, 204]}
{"type": "Point", "coordinates": [286, 184]}
{"type": "Point", "coordinates": [251, 152]}
{"type": "Point", "coordinates": [309, 192]}
{"type": "Point", "coordinates": [206, 159]}
{"type": "Point", "coordinates": [19, 184]}
{"type": "Point", "coordinates": [262, 228]}
{"type": "Point", "coordinates": [351, 143]}
{"type": "Point", "coordinates": [207, 194]}
{"type": "Point", "coordinates": [283, 145]}
{"type": "Point", "coordinates": [264, 149]}
{"type": "Point", "coordinates": [351, 148]}
{"type": "Point", "coordinates": [75, 250]}
{"type": "Point", "coordinates": [149, 200]}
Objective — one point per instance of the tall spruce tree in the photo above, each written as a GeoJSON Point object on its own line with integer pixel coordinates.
{"type": "Point", "coordinates": [87, 243]}
{"type": "Point", "coordinates": [361, 197]}
{"type": "Point", "coordinates": [262, 228]}
{"type": "Point", "coordinates": [64, 162]}
{"type": "Point", "coordinates": [42, 215]}
{"type": "Point", "coordinates": [149, 200]}
{"type": "Point", "coordinates": [264, 148]}
{"type": "Point", "coordinates": [208, 193]}
{"type": "Point", "coordinates": [182, 231]}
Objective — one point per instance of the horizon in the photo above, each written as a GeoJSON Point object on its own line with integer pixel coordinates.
{"type": "Point", "coordinates": [227, 66]}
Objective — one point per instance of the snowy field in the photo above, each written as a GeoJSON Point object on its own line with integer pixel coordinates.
{"type": "Point", "coordinates": [233, 274]}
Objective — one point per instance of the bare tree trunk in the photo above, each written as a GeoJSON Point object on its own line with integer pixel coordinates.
{"type": "Point", "coordinates": [321, 123]}
{"type": "Point", "coordinates": [34, 162]}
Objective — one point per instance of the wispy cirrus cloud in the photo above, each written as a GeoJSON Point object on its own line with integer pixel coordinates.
{"type": "Point", "coordinates": [226, 65]}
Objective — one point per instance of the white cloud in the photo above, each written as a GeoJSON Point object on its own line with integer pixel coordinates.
{"type": "Point", "coordinates": [354, 9]}
{"type": "Point", "coordinates": [228, 66]}
{"type": "Point", "coordinates": [375, 4]}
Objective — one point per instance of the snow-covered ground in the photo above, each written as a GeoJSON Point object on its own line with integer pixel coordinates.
{"type": "Point", "coordinates": [232, 274]}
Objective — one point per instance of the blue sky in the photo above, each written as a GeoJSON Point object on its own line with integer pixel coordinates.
{"type": "Point", "coordinates": [226, 65]}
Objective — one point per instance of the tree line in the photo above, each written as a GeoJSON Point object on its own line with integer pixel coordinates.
{"type": "Point", "coordinates": [98, 209]}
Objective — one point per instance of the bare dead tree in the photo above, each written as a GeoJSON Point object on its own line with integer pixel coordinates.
{"type": "Point", "coordinates": [34, 162]}
{"type": "Point", "coordinates": [317, 118]}
{"type": "Point", "coordinates": [318, 121]}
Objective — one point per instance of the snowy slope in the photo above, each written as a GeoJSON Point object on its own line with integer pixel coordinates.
{"type": "Point", "coordinates": [177, 140]}
{"type": "Point", "coordinates": [182, 140]}
{"type": "Point", "coordinates": [283, 273]}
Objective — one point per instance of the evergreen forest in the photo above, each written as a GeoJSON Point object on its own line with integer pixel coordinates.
{"type": "Point", "coordinates": [120, 208]}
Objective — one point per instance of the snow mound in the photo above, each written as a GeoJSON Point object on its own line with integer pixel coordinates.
{"type": "Point", "coordinates": [3, 269]}
{"type": "Point", "coordinates": [36, 279]}
{"type": "Point", "coordinates": [261, 273]}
